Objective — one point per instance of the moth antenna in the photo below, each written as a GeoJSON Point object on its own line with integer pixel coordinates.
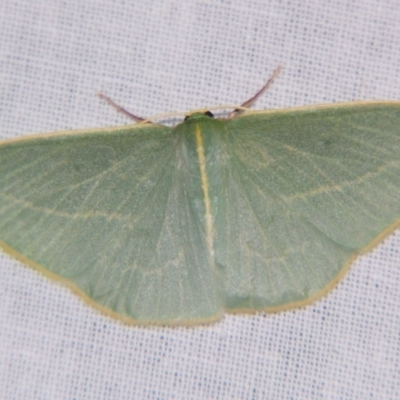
{"type": "Point", "coordinates": [253, 99]}
{"type": "Point", "coordinates": [119, 108]}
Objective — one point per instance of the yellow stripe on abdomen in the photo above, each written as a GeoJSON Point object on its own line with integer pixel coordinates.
{"type": "Point", "coordinates": [204, 185]}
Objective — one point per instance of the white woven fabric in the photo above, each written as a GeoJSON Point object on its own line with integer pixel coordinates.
{"type": "Point", "coordinates": [159, 56]}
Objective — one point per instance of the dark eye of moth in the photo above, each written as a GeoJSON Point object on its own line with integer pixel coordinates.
{"type": "Point", "coordinates": [208, 113]}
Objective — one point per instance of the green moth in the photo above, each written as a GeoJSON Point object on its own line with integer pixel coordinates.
{"type": "Point", "coordinates": [158, 225]}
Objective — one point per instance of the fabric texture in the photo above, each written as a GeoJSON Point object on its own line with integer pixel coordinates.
{"type": "Point", "coordinates": [160, 56]}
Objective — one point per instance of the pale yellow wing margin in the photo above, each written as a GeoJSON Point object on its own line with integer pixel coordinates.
{"type": "Point", "coordinates": [108, 213]}
{"type": "Point", "coordinates": [305, 192]}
